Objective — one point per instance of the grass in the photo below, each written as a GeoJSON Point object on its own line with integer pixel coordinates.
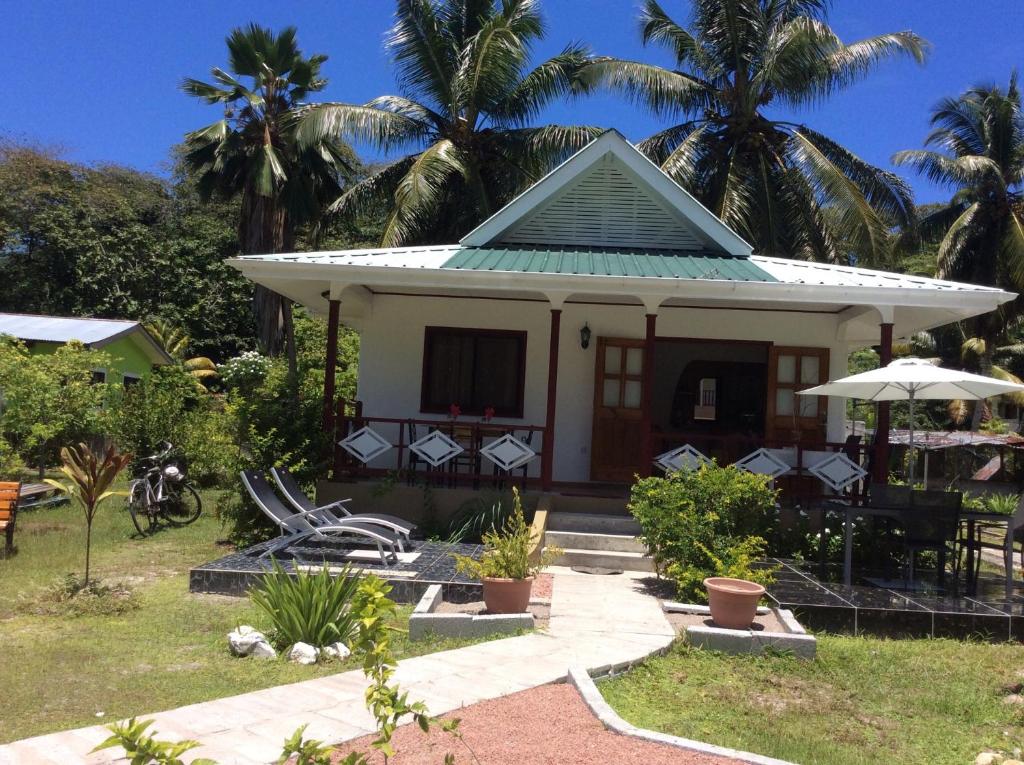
{"type": "Point", "coordinates": [863, 700]}
{"type": "Point", "coordinates": [62, 672]}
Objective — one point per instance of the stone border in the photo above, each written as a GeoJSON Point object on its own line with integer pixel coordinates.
{"type": "Point", "coordinates": [795, 639]}
{"type": "Point", "coordinates": [581, 680]}
{"type": "Point", "coordinates": [424, 621]}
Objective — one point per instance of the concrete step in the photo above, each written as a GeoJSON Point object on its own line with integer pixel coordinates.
{"type": "Point", "coordinates": [627, 561]}
{"type": "Point", "coordinates": [593, 523]}
{"type": "Point", "coordinates": [581, 540]}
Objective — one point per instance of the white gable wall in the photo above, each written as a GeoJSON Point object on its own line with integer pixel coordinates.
{"type": "Point", "coordinates": [391, 358]}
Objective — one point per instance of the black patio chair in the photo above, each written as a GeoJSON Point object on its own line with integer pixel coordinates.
{"type": "Point", "coordinates": [1012, 534]}
{"type": "Point", "coordinates": [932, 522]}
{"type": "Point", "coordinates": [295, 527]}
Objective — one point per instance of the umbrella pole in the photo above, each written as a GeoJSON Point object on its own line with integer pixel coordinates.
{"type": "Point", "coordinates": [910, 443]}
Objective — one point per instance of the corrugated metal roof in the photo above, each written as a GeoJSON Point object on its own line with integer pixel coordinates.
{"type": "Point", "coordinates": [659, 264]}
{"type": "Point", "coordinates": [60, 329]}
{"type": "Point", "coordinates": [826, 274]}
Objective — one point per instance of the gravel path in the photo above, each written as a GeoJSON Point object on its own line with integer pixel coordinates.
{"type": "Point", "coordinates": [547, 724]}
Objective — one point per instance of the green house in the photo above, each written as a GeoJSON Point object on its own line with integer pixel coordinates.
{"type": "Point", "coordinates": [132, 350]}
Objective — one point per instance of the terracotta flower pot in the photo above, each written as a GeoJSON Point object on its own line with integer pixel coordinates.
{"type": "Point", "coordinates": [733, 601]}
{"type": "Point", "coordinates": [507, 596]}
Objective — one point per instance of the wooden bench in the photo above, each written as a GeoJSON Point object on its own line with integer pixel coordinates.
{"type": "Point", "coordinates": [9, 494]}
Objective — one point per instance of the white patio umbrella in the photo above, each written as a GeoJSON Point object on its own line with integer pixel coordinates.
{"type": "Point", "coordinates": [913, 379]}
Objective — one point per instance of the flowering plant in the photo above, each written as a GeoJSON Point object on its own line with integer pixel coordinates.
{"type": "Point", "coordinates": [454, 410]}
{"type": "Point", "coordinates": [488, 413]}
{"type": "Point", "coordinates": [247, 369]}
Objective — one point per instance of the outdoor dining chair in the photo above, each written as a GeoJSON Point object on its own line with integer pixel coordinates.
{"type": "Point", "coordinates": [1013, 534]}
{"type": "Point", "coordinates": [932, 522]}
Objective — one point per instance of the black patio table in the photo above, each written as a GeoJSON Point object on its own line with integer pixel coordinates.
{"type": "Point", "coordinates": [970, 517]}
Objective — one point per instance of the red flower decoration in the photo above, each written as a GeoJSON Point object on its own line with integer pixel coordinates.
{"type": "Point", "coordinates": [454, 410]}
{"type": "Point", "coordinates": [488, 413]}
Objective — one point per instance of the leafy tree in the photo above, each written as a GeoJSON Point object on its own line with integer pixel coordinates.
{"type": "Point", "coordinates": [468, 97]}
{"type": "Point", "coordinates": [114, 243]}
{"type": "Point", "coordinates": [49, 399]}
{"type": "Point", "coordinates": [174, 340]}
{"type": "Point", "coordinates": [978, 151]}
{"type": "Point", "coordinates": [252, 154]}
{"type": "Point", "coordinates": [787, 189]}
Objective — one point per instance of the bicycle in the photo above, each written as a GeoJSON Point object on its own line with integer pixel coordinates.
{"type": "Point", "coordinates": [161, 493]}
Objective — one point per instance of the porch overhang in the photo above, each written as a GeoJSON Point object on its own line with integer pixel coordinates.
{"type": "Point", "coordinates": [858, 298]}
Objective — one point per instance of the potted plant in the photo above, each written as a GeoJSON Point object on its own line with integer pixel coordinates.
{"type": "Point", "coordinates": [733, 602]}
{"type": "Point", "coordinates": [505, 568]}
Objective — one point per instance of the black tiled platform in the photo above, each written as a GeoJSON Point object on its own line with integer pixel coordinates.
{"type": "Point", "coordinates": [871, 607]}
{"type": "Point", "coordinates": [234, 574]}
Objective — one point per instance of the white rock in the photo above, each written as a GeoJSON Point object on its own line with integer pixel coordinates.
{"type": "Point", "coordinates": [242, 640]}
{"type": "Point", "coordinates": [263, 650]}
{"type": "Point", "coordinates": [335, 651]}
{"type": "Point", "coordinates": [986, 758]}
{"type": "Point", "coordinates": [302, 653]}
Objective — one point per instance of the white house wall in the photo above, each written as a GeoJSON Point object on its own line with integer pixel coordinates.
{"type": "Point", "coordinates": [391, 356]}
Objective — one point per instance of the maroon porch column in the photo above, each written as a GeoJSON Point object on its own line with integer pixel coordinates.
{"type": "Point", "coordinates": [882, 420]}
{"type": "Point", "coordinates": [646, 393]}
{"type": "Point", "coordinates": [548, 449]}
{"type": "Point", "coordinates": [333, 315]}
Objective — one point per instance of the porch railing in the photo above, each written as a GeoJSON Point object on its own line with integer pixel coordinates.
{"type": "Point", "coordinates": [470, 467]}
{"type": "Point", "coordinates": [798, 486]}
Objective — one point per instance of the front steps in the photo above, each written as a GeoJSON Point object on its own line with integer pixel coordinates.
{"type": "Point", "coordinates": [601, 541]}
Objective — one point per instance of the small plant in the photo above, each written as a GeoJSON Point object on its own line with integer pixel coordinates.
{"type": "Point", "coordinates": [89, 478]}
{"type": "Point", "coordinates": [306, 751]}
{"type": "Point", "coordinates": [70, 596]}
{"type": "Point", "coordinates": [143, 749]}
{"type": "Point", "coordinates": [245, 370]}
{"type": "Point", "coordinates": [474, 518]}
{"type": "Point", "coordinates": [307, 608]}
{"type": "Point", "coordinates": [1005, 504]}
{"type": "Point", "coordinates": [507, 550]}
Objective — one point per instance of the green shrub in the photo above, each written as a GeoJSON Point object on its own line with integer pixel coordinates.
{"type": "Point", "coordinates": [707, 522]}
{"type": "Point", "coordinates": [71, 596]}
{"type": "Point", "coordinates": [307, 608]}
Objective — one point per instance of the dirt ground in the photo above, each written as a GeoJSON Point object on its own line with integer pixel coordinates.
{"type": "Point", "coordinates": [768, 622]}
{"type": "Point", "coordinates": [547, 725]}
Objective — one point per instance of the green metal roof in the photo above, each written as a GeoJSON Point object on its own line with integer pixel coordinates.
{"type": "Point", "coordinates": [661, 264]}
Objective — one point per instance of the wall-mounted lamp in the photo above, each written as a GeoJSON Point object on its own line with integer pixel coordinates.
{"type": "Point", "coordinates": [585, 336]}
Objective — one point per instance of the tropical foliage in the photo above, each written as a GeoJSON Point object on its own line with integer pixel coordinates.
{"type": "Point", "coordinates": [313, 608]}
{"type": "Point", "coordinates": [468, 96]}
{"type": "Point", "coordinates": [251, 153]}
{"type": "Point", "coordinates": [88, 478]}
{"type": "Point", "coordinates": [977, 150]}
{"type": "Point", "coordinates": [786, 188]}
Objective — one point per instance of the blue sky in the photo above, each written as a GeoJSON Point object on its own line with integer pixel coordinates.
{"type": "Point", "coordinates": [99, 79]}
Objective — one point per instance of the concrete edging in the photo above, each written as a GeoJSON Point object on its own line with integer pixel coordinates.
{"type": "Point", "coordinates": [584, 683]}
{"type": "Point", "coordinates": [424, 621]}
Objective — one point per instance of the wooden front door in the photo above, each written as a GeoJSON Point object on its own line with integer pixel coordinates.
{"type": "Point", "coordinates": [791, 417]}
{"type": "Point", "coordinates": [616, 445]}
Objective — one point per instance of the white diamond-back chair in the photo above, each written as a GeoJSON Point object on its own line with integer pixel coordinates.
{"type": "Point", "coordinates": [296, 526]}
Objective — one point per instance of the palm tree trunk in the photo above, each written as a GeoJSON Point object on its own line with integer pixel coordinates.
{"type": "Point", "coordinates": [261, 230]}
{"type": "Point", "coordinates": [293, 363]}
{"type": "Point", "coordinates": [985, 363]}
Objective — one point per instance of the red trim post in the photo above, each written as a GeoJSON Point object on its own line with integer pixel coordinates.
{"type": "Point", "coordinates": [647, 392]}
{"type": "Point", "coordinates": [547, 456]}
{"type": "Point", "coordinates": [330, 369]}
{"type": "Point", "coordinates": [882, 419]}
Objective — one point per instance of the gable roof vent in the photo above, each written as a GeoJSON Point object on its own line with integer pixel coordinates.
{"type": "Point", "coordinates": [605, 208]}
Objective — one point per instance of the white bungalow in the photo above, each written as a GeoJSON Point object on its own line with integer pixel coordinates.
{"type": "Point", "coordinates": [603, 317]}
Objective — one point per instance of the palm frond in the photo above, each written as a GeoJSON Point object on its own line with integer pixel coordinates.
{"type": "Point", "coordinates": [419, 190]}
{"type": "Point", "coordinates": [372, 193]}
{"type": "Point", "coordinates": [380, 127]}
{"type": "Point", "coordinates": [849, 64]}
{"type": "Point", "coordinates": [950, 171]}
{"type": "Point", "coordinates": [555, 78]}
{"type": "Point", "coordinates": [953, 249]}
{"type": "Point", "coordinates": [664, 92]}
{"type": "Point", "coordinates": [425, 57]}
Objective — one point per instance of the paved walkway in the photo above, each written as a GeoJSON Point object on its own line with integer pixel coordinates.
{"type": "Point", "coordinates": [598, 622]}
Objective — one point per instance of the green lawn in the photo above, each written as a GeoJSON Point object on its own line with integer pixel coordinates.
{"type": "Point", "coordinates": [61, 672]}
{"type": "Point", "coordinates": [864, 700]}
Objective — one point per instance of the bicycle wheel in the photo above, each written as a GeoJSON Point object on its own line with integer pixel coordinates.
{"type": "Point", "coordinates": [182, 504]}
{"type": "Point", "coordinates": [137, 509]}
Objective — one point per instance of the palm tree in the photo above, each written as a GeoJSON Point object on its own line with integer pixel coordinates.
{"type": "Point", "coordinates": [252, 153]}
{"type": "Point", "coordinates": [174, 340]}
{"type": "Point", "coordinates": [978, 141]}
{"type": "Point", "coordinates": [786, 188]}
{"type": "Point", "coordinates": [468, 98]}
